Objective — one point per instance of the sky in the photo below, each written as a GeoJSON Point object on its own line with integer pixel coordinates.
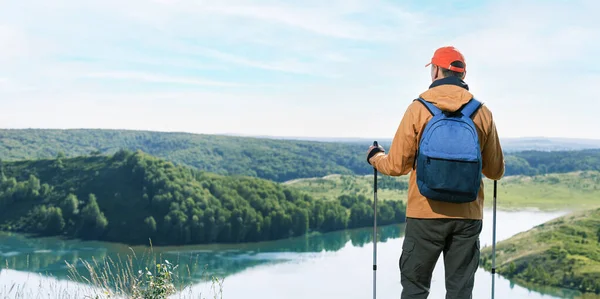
{"type": "Point", "coordinates": [310, 68]}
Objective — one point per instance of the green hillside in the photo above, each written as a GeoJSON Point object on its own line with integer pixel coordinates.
{"type": "Point", "coordinates": [276, 160]}
{"type": "Point", "coordinates": [332, 186]}
{"type": "Point", "coordinates": [130, 197]}
{"type": "Point", "coordinates": [574, 190]}
{"type": "Point", "coordinates": [564, 252]}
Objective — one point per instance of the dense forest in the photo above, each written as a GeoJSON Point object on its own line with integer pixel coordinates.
{"type": "Point", "coordinates": [132, 196]}
{"type": "Point", "coordinates": [276, 160]}
{"type": "Point", "coordinates": [564, 252]}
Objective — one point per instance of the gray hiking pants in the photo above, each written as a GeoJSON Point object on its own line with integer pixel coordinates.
{"type": "Point", "coordinates": [424, 240]}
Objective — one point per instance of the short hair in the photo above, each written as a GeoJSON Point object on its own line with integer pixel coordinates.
{"type": "Point", "coordinates": [449, 73]}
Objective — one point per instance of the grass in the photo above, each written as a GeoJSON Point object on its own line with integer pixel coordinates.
{"type": "Point", "coordinates": [332, 186]}
{"type": "Point", "coordinates": [564, 252]}
{"type": "Point", "coordinates": [575, 190]}
{"type": "Point", "coordinates": [145, 277]}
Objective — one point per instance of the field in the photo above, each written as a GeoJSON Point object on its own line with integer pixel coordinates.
{"type": "Point", "coordinates": [332, 186]}
{"type": "Point", "coordinates": [574, 190]}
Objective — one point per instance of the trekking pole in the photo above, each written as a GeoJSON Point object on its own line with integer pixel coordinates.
{"type": "Point", "coordinates": [494, 241]}
{"type": "Point", "coordinates": [375, 229]}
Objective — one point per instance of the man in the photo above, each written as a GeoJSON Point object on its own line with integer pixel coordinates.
{"type": "Point", "coordinates": [433, 226]}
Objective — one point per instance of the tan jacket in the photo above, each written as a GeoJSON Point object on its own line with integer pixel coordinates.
{"type": "Point", "coordinates": [399, 160]}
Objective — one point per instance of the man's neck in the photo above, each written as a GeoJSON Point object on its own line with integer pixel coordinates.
{"type": "Point", "coordinates": [451, 81]}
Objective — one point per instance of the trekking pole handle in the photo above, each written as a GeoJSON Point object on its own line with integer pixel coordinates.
{"type": "Point", "coordinates": [375, 144]}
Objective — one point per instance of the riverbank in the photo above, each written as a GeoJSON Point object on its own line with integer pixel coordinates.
{"type": "Point", "coordinates": [564, 252]}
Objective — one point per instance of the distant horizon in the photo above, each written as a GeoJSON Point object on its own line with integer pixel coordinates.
{"type": "Point", "coordinates": [385, 138]}
{"type": "Point", "coordinates": [307, 137]}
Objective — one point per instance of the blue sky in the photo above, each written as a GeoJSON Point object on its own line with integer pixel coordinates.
{"type": "Point", "coordinates": [336, 68]}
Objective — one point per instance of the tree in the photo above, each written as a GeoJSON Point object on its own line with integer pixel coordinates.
{"type": "Point", "coordinates": [347, 201]}
{"type": "Point", "coordinates": [34, 186]}
{"type": "Point", "coordinates": [386, 213]}
{"type": "Point", "coordinates": [150, 226]}
{"type": "Point", "coordinates": [512, 268]}
{"type": "Point", "coordinates": [300, 221]}
{"type": "Point", "coordinates": [69, 206]}
{"type": "Point", "coordinates": [46, 220]}
{"type": "Point", "coordinates": [360, 215]}
{"type": "Point", "coordinates": [2, 175]}
{"type": "Point", "coordinates": [94, 221]}
{"type": "Point", "coordinates": [45, 190]}
{"type": "Point", "coordinates": [55, 222]}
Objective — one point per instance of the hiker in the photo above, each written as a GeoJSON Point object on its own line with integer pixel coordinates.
{"type": "Point", "coordinates": [448, 218]}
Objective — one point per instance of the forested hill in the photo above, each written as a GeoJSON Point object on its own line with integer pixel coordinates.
{"type": "Point", "coordinates": [539, 162]}
{"type": "Point", "coordinates": [276, 160]}
{"type": "Point", "coordinates": [272, 159]}
{"type": "Point", "coordinates": [131, 197]}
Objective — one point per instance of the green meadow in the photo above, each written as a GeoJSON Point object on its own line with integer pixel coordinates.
{"type": "Point", "coordinates": [573, 190]}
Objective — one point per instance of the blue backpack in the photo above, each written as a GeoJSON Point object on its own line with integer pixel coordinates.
{"type": "Point", "coordinates": [449, 156]}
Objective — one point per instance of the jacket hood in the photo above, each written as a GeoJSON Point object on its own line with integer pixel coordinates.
{"type": "Point", "coordinates": [448, 94]}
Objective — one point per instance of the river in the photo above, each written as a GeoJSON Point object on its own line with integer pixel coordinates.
{"type": "Point", "coordinates": [333, 265]}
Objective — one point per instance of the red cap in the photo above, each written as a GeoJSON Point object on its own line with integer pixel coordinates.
{"type": "Point", "coordinates": [443, 57]}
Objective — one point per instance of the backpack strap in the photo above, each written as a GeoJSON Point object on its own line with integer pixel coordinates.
{"type": "Point", "coordinates": [431, 107]}
{"type": "Point", "coordinates": [434, 111]}
{"type": "Point", "coordinates": [470, 108]}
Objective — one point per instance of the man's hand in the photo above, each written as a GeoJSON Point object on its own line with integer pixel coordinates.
{"type": "Point", "coordinates": [374, 150]}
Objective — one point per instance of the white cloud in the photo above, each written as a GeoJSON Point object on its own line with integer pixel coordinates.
{"type": "Point", "coordinates": [365, 60]}
{"type": "Point", "coordinates": [147, 77]}
{"type": "Point", "coordinates": [312, 20]}
{"type": "Point", "coordinates": [328, 18]}
{"type": "Point", "coordinates": [289, 65]}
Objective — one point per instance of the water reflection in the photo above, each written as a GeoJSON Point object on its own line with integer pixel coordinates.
{"type": "Point", "coordinates": [554, 292]}
{"type": "Point", "coordinates": [49, 256]}
{"type": "Point", "coordinates": [301, 259]}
